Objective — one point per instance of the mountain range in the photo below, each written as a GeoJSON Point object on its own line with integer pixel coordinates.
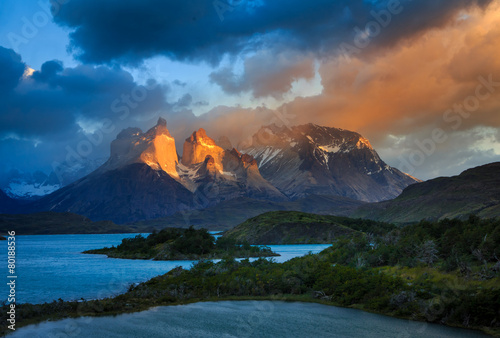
{"type": "Point", "coordinates": [145, 178]}
{"type": "Point", "coordinates": [305, 168]}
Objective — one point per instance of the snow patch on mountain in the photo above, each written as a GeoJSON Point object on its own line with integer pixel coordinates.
{"type": "Point", "coordinates": [28, 190]}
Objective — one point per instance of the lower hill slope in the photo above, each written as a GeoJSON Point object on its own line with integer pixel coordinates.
{"type": "Point", "coordinates": [127, 194]}
{"type": "Point", "coordinates": [475, 191]}
{"type": "Point", "coordinates": [292, 227]}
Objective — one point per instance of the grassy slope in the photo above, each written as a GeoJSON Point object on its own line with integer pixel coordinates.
{"type": "Point", "coordinates": [291, 227]}
{"type": "Point", "coordinates": [475, 191]}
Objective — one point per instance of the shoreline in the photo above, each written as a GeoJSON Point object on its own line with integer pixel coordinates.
{"type": "Point", "coordinates": [273, 254]}
{"type": "Point", "coordinates": [288, 298]}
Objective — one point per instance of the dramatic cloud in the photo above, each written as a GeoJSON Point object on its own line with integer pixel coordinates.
{"type": "Point", "coordinates": [199, 30]}
{"type": "Point", "coordinates": [448, 78]}
{"type": "Point", "coordinates": [266, 74]}
{"type": "Point", "coordinates": [56, 108]}
{"type": "Point", "coordinates": [447, 81]}
{"type": "Point", "coordinates": [11, 71]}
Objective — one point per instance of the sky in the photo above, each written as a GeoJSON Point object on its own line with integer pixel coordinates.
{"type": "Point", "coordinates": [419, 78]}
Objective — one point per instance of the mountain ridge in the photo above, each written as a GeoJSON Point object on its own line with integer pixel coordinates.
{"type": "Point", "coordinates": [474, 191]}
{"type": "Point", "coordinates": [311, 159]}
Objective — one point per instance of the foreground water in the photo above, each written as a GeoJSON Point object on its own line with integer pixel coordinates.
{"type": "Point", "coordinates": [50, 267]}
{"type": "Point", "coordinates": [243, 319]}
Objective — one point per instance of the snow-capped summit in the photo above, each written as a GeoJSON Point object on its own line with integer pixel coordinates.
{"type": "Point", "coordinates": [311, 159]}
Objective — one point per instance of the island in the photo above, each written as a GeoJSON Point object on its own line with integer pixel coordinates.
{"type": "Point", "coordinates": [294, 227]}
{"type": "Point", "coordinates": [182, 244]}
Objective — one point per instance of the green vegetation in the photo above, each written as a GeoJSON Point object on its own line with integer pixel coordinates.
{"type": "Point", "coordinates": [445, 272]}
{"type": "Point", "coordinates": [292, 227]}
{"type": "Point", "coordinates": [471, 247]}
{"type": "Point", "coordinates": [182, 244]}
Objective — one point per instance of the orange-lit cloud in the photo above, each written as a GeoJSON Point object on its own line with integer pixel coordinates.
{"type": "Point", "coordinates": [410, 86]}
{"type": "Point", "coordinates": [398, 95]}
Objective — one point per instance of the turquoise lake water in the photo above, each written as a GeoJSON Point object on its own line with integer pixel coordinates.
{"type": "Point", "coordinates": [50, 267]}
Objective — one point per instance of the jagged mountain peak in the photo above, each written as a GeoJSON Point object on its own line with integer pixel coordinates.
{"type": "Point", "coordinates": [309, 158]}
{"type": "Point", "coordinates": [156, 148]}
{"type": "Point", "coordinates": [198, 146]}
{"type": "Point", "coordinates": [283, 163]}
{"type": "Point", "coordinates": [161, 122]}
{"type": "Point", "coordinates": [200, 136]}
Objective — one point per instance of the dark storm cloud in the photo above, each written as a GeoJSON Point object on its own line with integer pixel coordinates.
{"type": "Point", "coordinates": [58, 108]}
{"type": "Point", "coordinates": [11, 69]}
{"type": "Point", "coordinates": [200, 30]}
{"type": "Point", "coordinates": [55, 99]}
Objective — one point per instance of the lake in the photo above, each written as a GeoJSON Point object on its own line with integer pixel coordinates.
{"type": "Point", "coordinates": [243, 319]}
{"type": "Point", "coordinates": [50, 267]}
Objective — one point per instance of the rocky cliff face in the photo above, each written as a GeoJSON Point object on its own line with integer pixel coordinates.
{"type": "Point", "coordinates": [156, 148]}
{"type": "Point", "coordinates": [215, 174]}
{"type": "Point", "coordinates": [198, 146]}
{"type": "Point", "coordinates": [310, 159]}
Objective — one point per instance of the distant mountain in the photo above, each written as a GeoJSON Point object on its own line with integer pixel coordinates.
{"type": "Point", "coordinates": [66, 173]}
{"type": "Point", "coordinates": [30, 186]}
{"type": "Point", "coordinates": [27, 186]}
{"type": "Point", "coordinates": [311, 159]}
{"type": "Point", "coordinates": [475, 191]}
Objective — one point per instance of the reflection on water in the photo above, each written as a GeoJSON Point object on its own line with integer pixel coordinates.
{"type": "Point", "coordinates": [243, 319]}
